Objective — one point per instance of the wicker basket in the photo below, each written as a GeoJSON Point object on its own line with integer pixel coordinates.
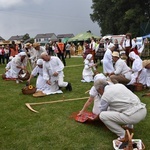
{"type": "Point", "coordinates": [28, 90]}
{"type": "Point", "coordinates": [138, 86]}
{"type": "Point", "coordinates": [23, 75]}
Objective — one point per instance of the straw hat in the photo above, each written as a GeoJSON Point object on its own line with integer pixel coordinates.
{"type": "Point", "coordinates": [36, 45]}
{"type": "Point", "coordinates": [28, 44]}
{"type": "Point", "coordinates": [115, 54]}
{"type": "Point", "coordinates": [146, 62]}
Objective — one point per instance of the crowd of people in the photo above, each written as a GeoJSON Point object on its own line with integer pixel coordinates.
{"type": "Point", "coordinates": [114, 103]}
{"type": "Point", "coordinates": [43, 64]}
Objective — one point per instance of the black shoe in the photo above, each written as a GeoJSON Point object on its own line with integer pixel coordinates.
{"type": "Point", "coordinates": [69, 87]}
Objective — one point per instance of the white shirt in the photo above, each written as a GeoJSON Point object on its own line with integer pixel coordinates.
{"type": "Point", "coordinates": [120, 99]}
{"type": "Point", "coordinates": [126, 43]}
{"type": "Point", "coordinates": [122, 68]}
{"type": "Point", "coordinates": [107, 62]}
{"type": "Point", "coordinates": [52, 66]}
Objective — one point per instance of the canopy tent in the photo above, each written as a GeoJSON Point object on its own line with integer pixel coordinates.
{"type": "Point", "coordinates": [146, 36]}
{"type": "Point", "coordinates": [83, 37]}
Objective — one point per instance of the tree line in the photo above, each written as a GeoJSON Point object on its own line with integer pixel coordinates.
{"type": "Point", "coordinates": [122, 16]}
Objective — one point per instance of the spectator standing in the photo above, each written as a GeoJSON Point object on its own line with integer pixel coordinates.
{"type": "Point", "coordinates": [72, 49]}
{"type": "Point", "coordinates": [6, 51]}
{"type": "Point", "coordinates": [99, 51]}
{"type": "Point", "coordinates": [68, 47]}
{"type": "Point", "coordinates": [128, 45]}
{"type": "Point", "coordinates": [86, 49]}
{"type": "Point", "coordinates": [2, 53]}
{"type": "Point", "coordinates": [13, 49]}
{"type": "Point", "coordinates": [118, 47]}
{"type": "Point", "coordinates": [61, 50]}
{"type": "Point", "coordinates": [92, 47]}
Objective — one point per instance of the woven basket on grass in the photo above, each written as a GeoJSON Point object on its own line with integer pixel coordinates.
{"type": "Point", "coordinates": [29, 89]}
{"type": "Point", "coordinates": [138, 86]}
{"type": "Point", "coordinates": [23, 75]}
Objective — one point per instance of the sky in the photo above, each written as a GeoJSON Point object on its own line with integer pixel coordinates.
{"type": "Point", "coordinates": [19, 17]}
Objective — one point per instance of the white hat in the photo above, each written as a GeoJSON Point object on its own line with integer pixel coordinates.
{"type": "Point", "coordinates": [133, 55]}
{"type": "Point", "coordinates": [111, 45]}
{"type": "Point", "coordinates": [89, 56]}
{"type": "Point", "coordinates": [28, 44]}
{"type": "Point", "coordinates": [115, 54]}
{"type": "Point", "coordinates": [39, 62]}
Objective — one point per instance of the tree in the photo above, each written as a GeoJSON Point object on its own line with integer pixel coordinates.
{"type": "Point", "coordinates": [120, 16]}
{"type": "Point", "coordinates": [26, 37]}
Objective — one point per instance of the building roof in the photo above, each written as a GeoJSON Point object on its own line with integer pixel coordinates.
{"type": "Point", "coordinates": [46, 35]}
{"type": "Point", "coordinates": [1, 38]}
{"type": "Point", "coordinates": [65, 36]}
{"type": "Point", "coordinates": [17, 37]}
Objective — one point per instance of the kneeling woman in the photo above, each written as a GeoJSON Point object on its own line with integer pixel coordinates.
{"type": "Point", "coordinates": [19, 62]}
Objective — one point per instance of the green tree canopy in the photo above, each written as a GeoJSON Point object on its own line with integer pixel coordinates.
{"type": "Point", "coordinates": [120, 16]}
{"type": "Point", "coordinates": [26, 37]}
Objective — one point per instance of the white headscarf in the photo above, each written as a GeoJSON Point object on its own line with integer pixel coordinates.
{"type": "Point", "coordinates": [111, 45]}
{"type": "Point", "coordinates": [22, 54]}
{"type": "Point", "coordinates": [133, 55]}
{"type": "Point", "coordinates": [39, 62]}
{"type": "Point", "coordinates": [89, 56]}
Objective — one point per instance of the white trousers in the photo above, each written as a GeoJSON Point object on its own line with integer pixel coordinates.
{"type": "Point", "coordinates": [113, 120]}
{"type": "Point", "coordinates": [61, 82]}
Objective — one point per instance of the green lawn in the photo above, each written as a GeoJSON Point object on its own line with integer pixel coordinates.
{"type": "Point", "coordinates": [53, 128]}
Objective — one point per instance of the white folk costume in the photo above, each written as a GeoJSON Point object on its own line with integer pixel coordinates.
{"type": "Point", "coordinates": [107, 60]}
{"type": "Point", "coordinates": [145, 63]}
{"type": "Point", "coordinates": [8, 66]}
{"type": "Point", "coordinates": [97, 97]}
{"type": "Point", "coordinates": [16, 62]}
{"type": "Point", "coordinates": [139, 73]}
{"type": "Point", "coordinates": [125, 108]}
{"type": "Point", "coordinates": [128, 43]}
{"type": "Point", "coordinates": [39, 52]}
{"type": "Point", "coordinates": [122, 73]}
{"type": "Point", "coordinates": [52, 66]}
{"type": "Point", "coordinates": [35, 52]}
{"type": "Point", "coordinates": [32, 58]}
{"type": "Point", "coordinates": [122, 68]}
{"type": "Point", "coordinates": [41, 84]}
{"type": "Point", "coordinates": [89, 66]}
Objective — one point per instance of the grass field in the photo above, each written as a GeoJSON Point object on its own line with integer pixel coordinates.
{"type": "Point", "coordinates": [53, 128]}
